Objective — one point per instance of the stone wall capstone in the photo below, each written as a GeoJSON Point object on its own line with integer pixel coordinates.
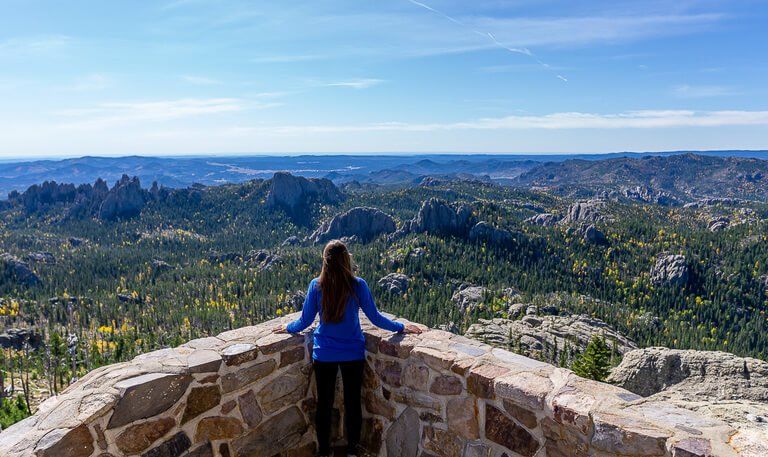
{"type": "Point", "coordinates": [249, 392]}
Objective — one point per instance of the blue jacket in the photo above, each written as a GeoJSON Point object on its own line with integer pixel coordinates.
{"type": "Point", "coordinates": [341, 341]}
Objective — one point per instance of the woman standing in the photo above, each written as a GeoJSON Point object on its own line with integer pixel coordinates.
{"type": "Point", "coordinates": [337, 295]}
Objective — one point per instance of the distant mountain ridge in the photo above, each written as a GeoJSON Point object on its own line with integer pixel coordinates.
{"type": "Point", "coordinates": [683, 176]}
{"type": "Point", "coordinates": [741, 171]}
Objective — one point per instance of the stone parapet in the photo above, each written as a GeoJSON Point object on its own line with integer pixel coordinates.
{"type": "Point", "coordinates": [248, 392]}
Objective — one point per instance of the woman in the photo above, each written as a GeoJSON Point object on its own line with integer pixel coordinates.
{"type": "Point", "coordinates": [337, 295]}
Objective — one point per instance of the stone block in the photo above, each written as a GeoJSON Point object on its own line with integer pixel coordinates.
{"type": "Point", "coordinates": [402, 437]}
{"type": "Point", "coordinates": [176, 446]}
{"type": "Point", "coordinates": [227, 407]}
{"type": "Point", "coordinates": [441, 442]}
{"type": "Point", "coordinates": [622, 434]}
{"type": "Point", "coordinates": [291, 356]}
{"type": "Point", "coordinates": [692, 447]}
{"type": "Point", "coordinates": [416, 376]}
{"type": "Point", "coordinates": [238, 354]}
{"type": "Point", "coordinates": [477, 450]}
{"type": "Point", "coordinates": [372, 434]}
{"type": "Point", "coordinates": [437, 359]}
{"type": "Point", "coordinates": [249, 409]}
{"type": "Point", "coordinates": [480, 380]}
{"type": "Point", "coordinates": [286, 389]}
{"type": "Point", "coordinates": [372, 343]}
{"type": "Point", "coordinates": [277, 434]}
{"type": "Point", "coordinates": [446, 385]}
{"type": "Point", "coordinates": [461, 366]}
{"type": "Point", "coordinates": [139, 437]}
{"type": "Point", "coordinates": [204, 361]}
{"type": "Point", "coordinates": [245, 376]}
{"type": "Point", "coordinates": [147, 396]}
{"type": "Point", "coordinates": [217, 428]}
{"type": "Point", "coordinates": [76, 442]}
{"type": "Point", "coordinates": [504, 431]}
{"type": "Point", "coordinates": [200, 400]}
{"type": "Point", "coordinates": [527, 389]}
{"type": "Point", "coordinates": [520, 414]}
{"type": "Point", "coordinates": [564, 440]}
{"type": "Point", "coordinates": [397, 345]}
{"type": "Point", "coordinates": [462, 417]}
{"type": "Point", "coordinates": [205, 450]}
{"type": "Point", "coordinates": [374, 404]}
{"type": "Point", "coordinates": [390, 372]}
{"type": "Point", "coordinates": [370, 379]}
{"type": "Point", "coordinates": [417, 399]}
{"type": "Point", "coordinates": [276, 342]}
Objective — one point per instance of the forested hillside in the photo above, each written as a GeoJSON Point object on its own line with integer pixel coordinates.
{"type": "Point", "coordinates": [86, 282]}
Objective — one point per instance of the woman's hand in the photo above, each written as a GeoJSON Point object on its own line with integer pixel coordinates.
{"type": "Point", "coordinates": [280, 329]}
{"type": "Point", "coordinates": [411, 328]}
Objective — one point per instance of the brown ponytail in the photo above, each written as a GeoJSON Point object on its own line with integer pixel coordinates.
{"type": "Point", "coordinates": [337, 281]}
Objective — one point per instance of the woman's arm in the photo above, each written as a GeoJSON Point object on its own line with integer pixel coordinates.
{"type": "Point", "coordinates": [308, 311]}
{"type": "Point", "coordinates": [373, 314]}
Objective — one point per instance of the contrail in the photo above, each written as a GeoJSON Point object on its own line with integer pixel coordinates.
{"type": "Point", "coordinates": [489, 35]}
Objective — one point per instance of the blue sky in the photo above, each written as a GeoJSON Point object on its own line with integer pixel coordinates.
{"type": "Point", "coordinates": [227, 76]}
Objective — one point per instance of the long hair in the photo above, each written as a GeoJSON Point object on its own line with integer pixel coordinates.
{"type": "Point", "coordinates": [337, 281]}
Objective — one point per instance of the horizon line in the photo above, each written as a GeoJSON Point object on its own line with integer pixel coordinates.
{"type": "Point", "coordinates": [62, 157]}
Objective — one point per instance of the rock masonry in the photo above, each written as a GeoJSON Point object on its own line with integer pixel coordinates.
{"type": "Point", "coordinates": [249, 392]}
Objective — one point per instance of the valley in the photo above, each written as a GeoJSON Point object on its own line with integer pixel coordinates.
{"type": "Point", "coordinates": [98, 273]}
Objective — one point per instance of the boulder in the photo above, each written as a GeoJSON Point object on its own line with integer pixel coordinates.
{"type": "Point", "coordinates": [646, 194]}
{"type": "Point", "coordinates": [544, 337]}
{"type": "Point", "coordinates": [125, 200]}
{"type": "Point", "coordinates": [717, 384]}
{"type": "Point", "coordinates": [437, 217]}
{"type": "Point", "coordinates": [75, 241]}
{"type": "Point", "coordinates": [363, 223]}
{"type": "Point", "coordinates": [593, 235]}
{"type": "Point", "coordinates": [294, 194]}
{"type": "Point", "coordinates": [485, 232]}
{"type": "Point", "coordinates": [587, 212]}
{"type": "Point", "coordinates": [41, 257]}
{"type": "Point", "coordinates": [16, 338]}
{"type": "Point", "coordinates": [670, 270]}
{"type": "Point", "coordinates": [718, 224]}
{"type": "Point", "coordinates": [469, 297]}
{"type": "Point", "coordinates": [295, 301]}
{"type": "Point", "coordinates": [19, 270]}
{"type": "Point", "coordinates": [394, 283]}
{"type": "Point", "coordinates": [290, 241]}
{"type": "Point", "coordinates": [543, 219]}
{"type": "Point", "coordinates": [159, 266]}
{"type": "Point", "coordinates": [262, 259]}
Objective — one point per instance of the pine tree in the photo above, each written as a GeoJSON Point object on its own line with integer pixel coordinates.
{"type": "Point", "coordinates": [595, 361]}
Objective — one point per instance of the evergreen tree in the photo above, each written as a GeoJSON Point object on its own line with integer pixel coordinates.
{"type": "Point", "coordinates": [595, 361]}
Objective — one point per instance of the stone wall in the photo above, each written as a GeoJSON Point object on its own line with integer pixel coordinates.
{"type": "Point", "coordinates": [248, 392]}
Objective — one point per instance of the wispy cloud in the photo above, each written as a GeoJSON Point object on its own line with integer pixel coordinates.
{"type": "Point", "coordinates": [288, 58]}
{"type": "Point", "coordinates": [114, 113]}
{"type": "Point", "coordinates": [200, 80]}
{"type": "Point", "coordinates": [687, 91]}
{"type": "Point", "coordinates": [35, 45]}
{"type": "Point", "coordinates": [492, 37]}
{"type": "Point", "coordinates": [647, 119]}
{"type": "Point", "coordinates": [362, 83]}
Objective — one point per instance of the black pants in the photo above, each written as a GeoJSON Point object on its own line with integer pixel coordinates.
{"type": "Point", "coordinates": [325, 377]}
